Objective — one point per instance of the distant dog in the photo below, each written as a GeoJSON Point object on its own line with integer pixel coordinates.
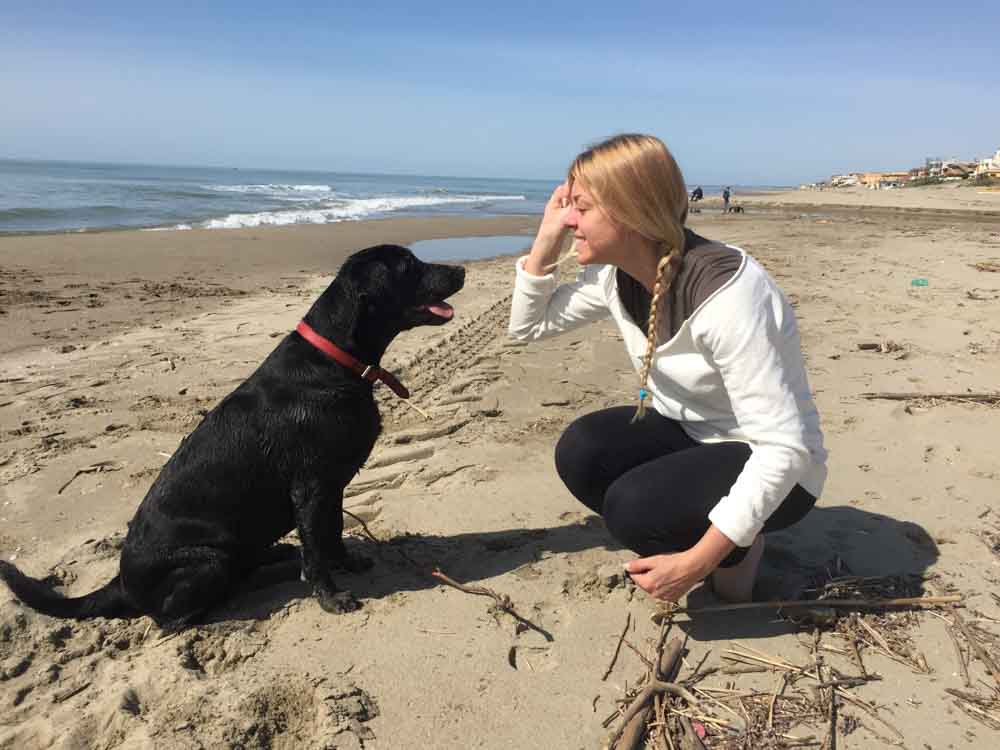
{"type": "Point", "coordinates": [735, 210]}
{"type": "Point", "coordinates": [272, 456]}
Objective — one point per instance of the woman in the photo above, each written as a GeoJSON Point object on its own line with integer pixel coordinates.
{"type": "Point", "coordinates": [732, 447]}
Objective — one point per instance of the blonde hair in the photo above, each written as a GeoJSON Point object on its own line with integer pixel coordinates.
{"type": "Point", "coordinates": [637, 183]}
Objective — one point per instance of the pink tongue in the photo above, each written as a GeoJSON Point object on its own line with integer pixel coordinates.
{"type": "Point", "coordinates": [442, 309]}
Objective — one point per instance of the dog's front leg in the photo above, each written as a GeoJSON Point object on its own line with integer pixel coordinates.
{"type": "Point", "coordinates": [352, 563]}
{"type": "Point", "coordinates": [315, 511]}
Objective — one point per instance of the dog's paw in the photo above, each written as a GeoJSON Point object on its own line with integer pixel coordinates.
{"type": "Point", "coordinates": [339, 602]}
{"type": "Point", "coordinates": [354, 563]}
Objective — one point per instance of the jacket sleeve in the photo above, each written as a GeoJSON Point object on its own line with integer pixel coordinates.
{"type": "Point", "coordinates": [751, 336]}
{"type": "Point", "coordinates": [540, 308]}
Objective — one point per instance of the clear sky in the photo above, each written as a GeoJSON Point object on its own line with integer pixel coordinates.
{"type": "Point", "coordinates": [746, 93]}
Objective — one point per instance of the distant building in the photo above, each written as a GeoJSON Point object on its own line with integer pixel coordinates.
{"type": "Point", "coordinates": [844, 180]}
{"type": "Point", "coordinates": [878, 180]}
{"type": "Point", "coordinates": [956, 169]}
{"type": "Point", "coordinates": [988, 167]}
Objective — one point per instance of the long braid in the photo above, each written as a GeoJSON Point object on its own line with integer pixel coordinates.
{"type": "Point", "coordinates": [664, 277]}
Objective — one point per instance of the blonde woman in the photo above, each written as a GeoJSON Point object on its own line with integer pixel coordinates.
{"type": "Point", "coordinates": [732, 447]}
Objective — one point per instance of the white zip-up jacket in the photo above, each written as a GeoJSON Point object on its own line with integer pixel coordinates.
{"type": "Point", "coordinates": [732, 372]}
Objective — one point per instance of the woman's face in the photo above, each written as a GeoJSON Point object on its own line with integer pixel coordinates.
{"type": "Point", "coordinates": [599, 238]}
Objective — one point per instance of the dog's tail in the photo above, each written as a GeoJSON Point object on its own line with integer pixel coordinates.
{"type": "Point", "coordinates": [107, 601]}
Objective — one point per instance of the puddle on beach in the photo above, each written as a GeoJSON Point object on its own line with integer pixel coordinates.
{"type": "Point", "coordinates": [471, 248]}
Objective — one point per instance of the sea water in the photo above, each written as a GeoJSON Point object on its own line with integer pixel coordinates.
{"type": "Point", "coordinates": [37, 197]}
{"type": "Point", "coordinates": [471, 248]}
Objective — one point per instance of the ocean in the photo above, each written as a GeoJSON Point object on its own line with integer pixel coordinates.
{"type": "Point", "coordinates": [48, 196]}
{"type": "Point", "coordinates": [57, 196]}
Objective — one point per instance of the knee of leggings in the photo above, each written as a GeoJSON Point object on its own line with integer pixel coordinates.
{"type": "Point", "coordinates": [576, 458]}
{"type": "Point", "coordinates": [624, 520]}
{"type": "Point", "coordinates": [576, 452]}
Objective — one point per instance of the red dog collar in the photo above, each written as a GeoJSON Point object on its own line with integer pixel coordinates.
{"type": "Point", "coordinates": [368, 372]}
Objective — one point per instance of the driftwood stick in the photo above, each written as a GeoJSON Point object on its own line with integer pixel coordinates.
{"type": "Point", "coordinates": [911, 601]}
{"type": "Point", "coordinates": [690, 740]}
{"type": "Point", "coordinates": [660, 716]}
{"type": "Point", "coordinates": [635, 730]}
{"type": "Point", "coordinates": [502, 601]}
{"type": "Point", "coordinates": [988, 397]}
{"type": "Point", "coordinates": [642, 701]}
{"type": "Point", "coordinates": [669, 663]}
{"type": "Point", "coordinates": [618, 648]}
{"type": "Point", "coordinates": [666, 668]}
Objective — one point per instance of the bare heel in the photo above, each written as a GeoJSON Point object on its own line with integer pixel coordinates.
{"type": "Point", "coordinates": [735, 584]}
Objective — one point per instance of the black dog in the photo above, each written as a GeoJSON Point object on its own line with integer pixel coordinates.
{"type": "Point", "coordinates": [272, 456]}
{"type": "Point", "coordinates": [736, 210]}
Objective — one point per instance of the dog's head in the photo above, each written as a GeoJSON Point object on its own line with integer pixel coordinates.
{"type": "Point", "coordinates": [383, 290]}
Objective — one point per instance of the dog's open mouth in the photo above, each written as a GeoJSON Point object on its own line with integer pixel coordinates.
{"type": "Point", "coordinates": [438, 283]}
{"type": "Point", "coordinates": [440, 309]}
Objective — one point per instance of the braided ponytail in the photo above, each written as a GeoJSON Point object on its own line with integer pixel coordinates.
{"type": "Point", "coordinates": [664, 277]}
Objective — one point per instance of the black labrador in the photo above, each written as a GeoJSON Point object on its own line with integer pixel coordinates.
{"type": "Point", "coordinates": [272, 456]}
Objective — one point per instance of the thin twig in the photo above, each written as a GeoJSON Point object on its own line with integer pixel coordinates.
{"type": "Point", "coordinates": [976, 646]}
{"type": "Point", "coordinates": [618, 648]}
{"type": "Point", "coordinates": [774, 698]}
{"type": "Point", "coordinates": [958, 653]}
{"type": "Point", "coordinates": [871, 712]}
{"type": "Point", "coordinates": [98, 467]}
{"type": "Point", "coordinates": [502, 601]}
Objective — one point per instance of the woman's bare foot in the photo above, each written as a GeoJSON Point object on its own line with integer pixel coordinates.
{"type": "Point", "coordinates": [735, 584]}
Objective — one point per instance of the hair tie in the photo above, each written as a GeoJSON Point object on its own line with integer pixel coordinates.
{"type": "Point", "coordinates": [640, 412]}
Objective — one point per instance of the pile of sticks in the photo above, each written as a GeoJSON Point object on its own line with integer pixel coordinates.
{"type": "Point", "coordinates": [810, 702]}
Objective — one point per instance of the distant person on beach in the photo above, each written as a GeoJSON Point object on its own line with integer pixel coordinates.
{"type": "Point", "coordinates": [697, 194]}
{"type": "Point", "coordinates": [732, 446]}
{"type": "Point", "coordinates": [725, 200]}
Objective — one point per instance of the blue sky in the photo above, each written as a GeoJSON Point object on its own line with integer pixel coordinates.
{"type": "Point", "coordinates": [779, 94]}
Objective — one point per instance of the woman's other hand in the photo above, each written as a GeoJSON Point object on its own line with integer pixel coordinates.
{"type": "Point", "coordinates": [556, 210]}
{"type": "Point", "coordinates": [666, 577]}
{"type": "Point", "coordinates": [548, 241]}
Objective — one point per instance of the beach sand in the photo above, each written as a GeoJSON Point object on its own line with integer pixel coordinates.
{"type": "Point", "coordinates": [115, 344]}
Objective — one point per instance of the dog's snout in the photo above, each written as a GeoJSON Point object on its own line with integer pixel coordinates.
{"type": "Point", "coordinates": [445, 279]}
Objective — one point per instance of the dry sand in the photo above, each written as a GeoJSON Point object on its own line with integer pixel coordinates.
{"type": "Point", "coordinates": [114, 344]}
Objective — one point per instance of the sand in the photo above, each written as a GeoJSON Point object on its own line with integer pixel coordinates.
{"type": "Point", "coordinates": [114, 344]}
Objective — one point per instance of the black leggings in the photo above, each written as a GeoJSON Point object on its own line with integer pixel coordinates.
{"type": "Point", "coordinates": [653, 485]}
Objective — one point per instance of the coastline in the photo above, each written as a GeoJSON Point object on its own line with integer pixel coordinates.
{"type": "Point", "coordinates": [93, 399]}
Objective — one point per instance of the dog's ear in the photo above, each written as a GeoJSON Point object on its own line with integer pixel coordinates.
{"type": "Point", "coordinates": [337, 312]}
